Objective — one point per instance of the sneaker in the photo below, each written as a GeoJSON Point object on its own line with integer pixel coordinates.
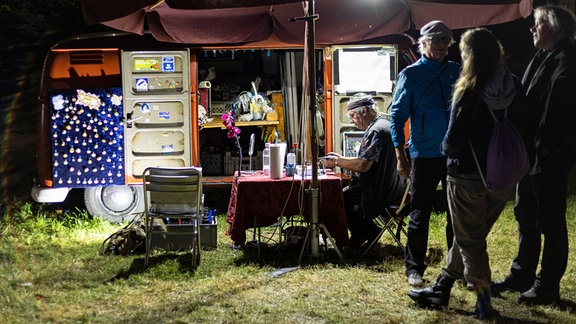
{"type": "Point", "coordinates": [433, 296]}
{"type": "Point", "coordinates": [538, 296]}
{"type": "Point", "coordinates": [415, 280]}
{"type": "Point", "coordinates": [510, 283]}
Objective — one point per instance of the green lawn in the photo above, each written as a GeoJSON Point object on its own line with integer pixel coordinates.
{"type": "Point", "coordinates": [51, 272]}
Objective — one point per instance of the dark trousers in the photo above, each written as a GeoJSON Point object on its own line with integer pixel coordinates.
{"type": "Point", "coordinates": [361, 227]}
{"type": "Point", "coordinates": [541, 210]}
{"type": "Point", "coordinates": [425, 175]}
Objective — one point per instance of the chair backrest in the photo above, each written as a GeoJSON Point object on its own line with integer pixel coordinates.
{"type": "Point", "coordinates": [172, 191]}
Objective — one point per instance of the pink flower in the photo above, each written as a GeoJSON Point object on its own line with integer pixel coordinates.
{"type": "Point", "coordinates": [228, 121]}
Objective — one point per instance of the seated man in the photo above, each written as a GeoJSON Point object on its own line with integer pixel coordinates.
{"type": "Point", "coordinates": [375, 183]}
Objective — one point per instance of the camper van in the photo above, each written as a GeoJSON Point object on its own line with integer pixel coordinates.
{"type": "Point", "coordinates": [113, 104]}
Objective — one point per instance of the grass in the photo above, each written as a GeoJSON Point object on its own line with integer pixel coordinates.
{"type": "Point", "coordinates": [51, 272]}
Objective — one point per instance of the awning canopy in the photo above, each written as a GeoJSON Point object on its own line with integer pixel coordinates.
{"type": "Point", "coordinates": [339, 21]}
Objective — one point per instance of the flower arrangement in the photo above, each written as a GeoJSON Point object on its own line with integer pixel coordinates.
{"type": "Point", "coordinates": [229, 121]}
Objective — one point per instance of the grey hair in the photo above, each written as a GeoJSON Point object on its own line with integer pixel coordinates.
{"type": "Point", "coordinates": [421, 41]}
{"type": "Point", "coordinates": [561, 21]}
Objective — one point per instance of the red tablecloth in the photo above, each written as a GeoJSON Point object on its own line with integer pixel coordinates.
{"type": "Point", "coordinates": [262, 199]}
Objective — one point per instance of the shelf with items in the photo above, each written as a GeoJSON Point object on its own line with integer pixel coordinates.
{"type": "Point", "coordinates": [217, 123]}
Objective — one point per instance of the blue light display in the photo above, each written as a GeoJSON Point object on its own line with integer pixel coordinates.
{"type": "Point", "coordinates": [87, 136]}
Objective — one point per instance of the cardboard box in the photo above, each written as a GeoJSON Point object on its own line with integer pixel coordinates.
{"type": "Point", "coordinates": [178, 237]}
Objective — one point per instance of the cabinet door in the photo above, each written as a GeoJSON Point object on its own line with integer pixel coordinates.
{"type": "Point", "coordinates": [157, 110]}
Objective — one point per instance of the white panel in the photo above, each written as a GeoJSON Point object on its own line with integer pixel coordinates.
{"type": "Point", "coordinates": [157, 109]}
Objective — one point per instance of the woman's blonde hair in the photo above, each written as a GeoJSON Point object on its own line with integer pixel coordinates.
{"type": "Point", "coordinates": [481, 54]}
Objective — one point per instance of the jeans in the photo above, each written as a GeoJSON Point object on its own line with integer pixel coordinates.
{"type": "Point", "coordinates": [425, 175]}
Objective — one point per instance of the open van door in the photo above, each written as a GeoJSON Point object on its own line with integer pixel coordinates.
{"type": "Point", "coordinates": [370, 69]}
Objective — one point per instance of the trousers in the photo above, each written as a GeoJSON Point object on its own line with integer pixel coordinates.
{"type": "Point", "coordinates": [425, 176]}
{"type": "Point", "coordinates": [474, 211]}
{"type": "Point", "coordinates": [540, 211]}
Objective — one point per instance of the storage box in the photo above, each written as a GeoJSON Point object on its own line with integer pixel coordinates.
{"type": "Point", "coordinates": [231, 162]}
{"type": "Point", "coordinates": [209, 235]}
{"type": "Point", "coordinates": [178, 237]}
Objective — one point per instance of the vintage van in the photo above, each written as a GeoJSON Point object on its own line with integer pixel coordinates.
{"type": "Point", "coordinates": [112, 104]}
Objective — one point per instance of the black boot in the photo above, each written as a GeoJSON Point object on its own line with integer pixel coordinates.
{"type": "Point", "coordinates": [540, 295]}
{"type": "Point", "coordinates": [484, 310]}
{"type": "Point", "coordinates": [511, 283]}
{"type": "Point", "coordinates": [437, 295]}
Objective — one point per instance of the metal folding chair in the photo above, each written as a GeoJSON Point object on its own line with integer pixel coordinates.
{"type": "Point", "coordinates": [173, 194]}
{"type": "Point", "coordinates": [393, 221]}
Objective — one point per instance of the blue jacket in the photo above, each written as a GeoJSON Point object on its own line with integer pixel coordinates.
{"type": "Point", "coordinates": [423, 93]}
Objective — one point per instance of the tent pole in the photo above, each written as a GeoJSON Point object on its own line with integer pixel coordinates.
{"type": "Point", "coordinates": [315, 225]}
{"type": "Point", "coordinates": [310, 48]}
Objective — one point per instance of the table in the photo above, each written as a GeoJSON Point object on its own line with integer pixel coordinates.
{"type": "Point", "coordinates": [258, 198]}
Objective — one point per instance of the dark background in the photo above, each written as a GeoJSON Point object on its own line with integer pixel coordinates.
{"type": "Point", "coordinates": [30, 28]}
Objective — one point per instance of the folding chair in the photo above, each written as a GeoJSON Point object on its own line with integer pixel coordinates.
{"type": "Point", "coordinates": [393, 222]}
{"type": "Point", "coordinates": [173, 194]}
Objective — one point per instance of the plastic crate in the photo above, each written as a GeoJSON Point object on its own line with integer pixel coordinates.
{"type": "Point", "coordinates": [178, 239]}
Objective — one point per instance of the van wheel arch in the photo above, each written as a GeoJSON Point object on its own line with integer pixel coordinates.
{"type": "Point", "coordinates": [115, 204]}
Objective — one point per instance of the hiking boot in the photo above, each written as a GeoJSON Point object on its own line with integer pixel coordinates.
{"type": "Point", "coordinates": [483, 309]}
{"type": "Point", "coordinates": [415, 280]}
{"type": "Point", "coordinates": [537, 295]}
{"type": "Point", "coordinates": [373, 235]}
{"type": "Point", "coordinates": [356, 241]}
{"type": "Point", "coordinates": [485, 312]}
{"type": "Point", "coordinates": [510, 283]}
{"type": "Point", "coordinates": [437, 295]}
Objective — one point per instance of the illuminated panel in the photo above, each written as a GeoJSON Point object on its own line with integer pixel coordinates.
{"type": "Point", "coordinates": [87, 137]}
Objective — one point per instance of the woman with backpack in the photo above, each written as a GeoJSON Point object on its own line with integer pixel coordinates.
{"type": "Point", "coordinates": [485, 90]}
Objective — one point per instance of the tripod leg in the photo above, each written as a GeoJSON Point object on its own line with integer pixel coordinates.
{"type": "Point", "coordinates": [305, 243]}
{"type": "Point", "coordinates": [332, 240]}
{"type": "Point", "coordinates": [307, 239]}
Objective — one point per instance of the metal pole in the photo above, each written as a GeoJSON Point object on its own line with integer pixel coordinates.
{"type": "Point", "coordinates": [313, 233]}
{"type": "Point", "coordinates": [310, 40]}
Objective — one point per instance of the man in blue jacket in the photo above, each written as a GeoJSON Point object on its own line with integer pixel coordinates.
{"type": "Point", "coordinates": [423, 93]}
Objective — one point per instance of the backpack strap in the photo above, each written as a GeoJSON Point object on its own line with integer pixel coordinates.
{"type": "Point", "coordinates": [494, 115]}
{"type": "Point", "coordinates": [477, 162]}
{"type": "Point", "coordinates": [472, 147]}
{"type": "Point", "coordinates": [474, 152]}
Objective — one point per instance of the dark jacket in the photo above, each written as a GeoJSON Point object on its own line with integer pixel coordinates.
{"type": "Point", "coordinates": [550, 87]}
{"type": "Point", "coordinates": [381, 185]}
{"type": "Point", "coordinates": [470, 120]}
